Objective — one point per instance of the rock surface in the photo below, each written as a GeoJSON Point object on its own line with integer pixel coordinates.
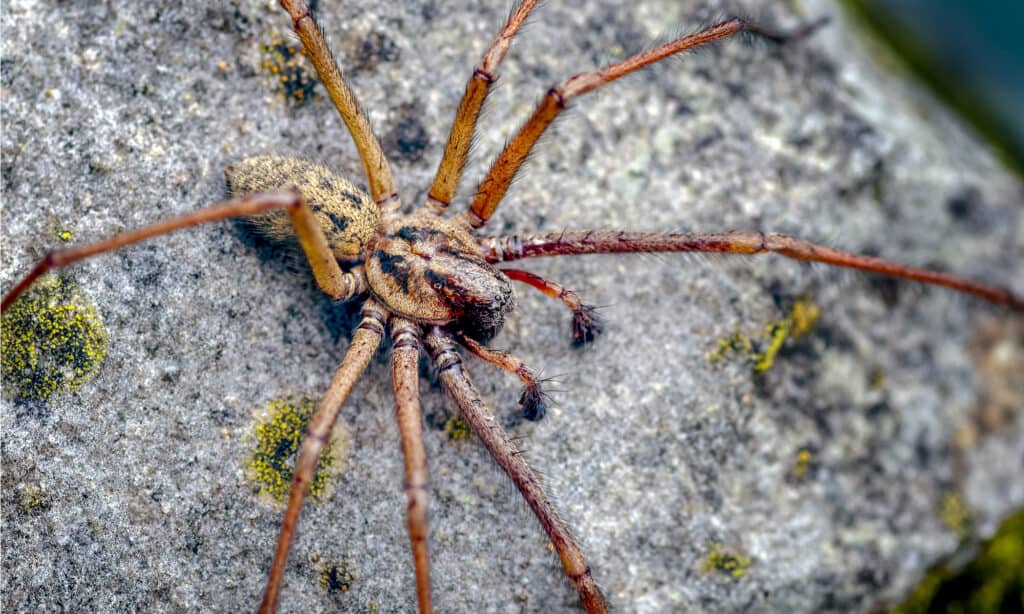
{"type": "Point", "coordinates": [117, 114]}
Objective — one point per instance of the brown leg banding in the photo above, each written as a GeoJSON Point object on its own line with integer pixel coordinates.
{"type": "Point", "coordinates": [405, 358]}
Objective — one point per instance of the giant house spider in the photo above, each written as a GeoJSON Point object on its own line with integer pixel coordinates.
{"type": "Point", "coordinates": [120, 114]}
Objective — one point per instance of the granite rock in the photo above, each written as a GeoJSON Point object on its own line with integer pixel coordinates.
{"type": "Point", "coordinates": [664, 462]}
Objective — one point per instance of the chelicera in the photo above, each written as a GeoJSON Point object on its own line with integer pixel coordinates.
{"type": "Point", "coordinates": [431, 279]}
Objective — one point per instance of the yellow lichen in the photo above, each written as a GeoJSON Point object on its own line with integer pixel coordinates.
{"type": "Point", "coordinates": [730, 563]}
{"type": "Point", "coordinates": [800, 320]}
{"type": "Point", "coordinates": [956, 515]}
{"type": "Point", "coordinates": [53, 341]}
{"type": "Point", "coordinates": [32, 498]}
{"type": "Point", "coordinates": [803, 316]}
{"type": "Point", "coordinates": [737, 343]}
{"type": "Point", "coordinates": [456, 429]}
{"type": "Point", "coordinates": [802, 464]}
{"type": "Point", "coordinates": [278, 434]}
{"type": "Point", "coordinates": [776, 334]}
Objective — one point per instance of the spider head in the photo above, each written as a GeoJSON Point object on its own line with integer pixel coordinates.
{"type": "Point", "coordinates": [429, 270]}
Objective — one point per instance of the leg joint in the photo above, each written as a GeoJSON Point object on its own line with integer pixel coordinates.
{"type": "Point", "coordinates": [483, 75]}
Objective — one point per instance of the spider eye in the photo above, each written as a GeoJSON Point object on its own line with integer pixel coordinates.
{"type": "Point", "coordinates": [436, 286]}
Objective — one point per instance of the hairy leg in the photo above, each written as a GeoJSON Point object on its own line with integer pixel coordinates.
{"type": "Point", "coordinates": [405, 360]}
{"type": "Point", "coordinates": [586, 326]}
{"type": "Point", "coordinates": [329, 276]}
{"type": "Point", "coordinates": [364, 344]}
{"type": "Point", "coordinates": [503, 170]}
{"type": "Point", "coordinates": [375, 165]}
{"type": "Point", "coordinates": [446, 181]}
{"type": "Point", "coordinates": [504, 249]}
{"type": "Point", "coordinates": [533, 400]}
{"type": "Point", "coordinates": [482, 422]}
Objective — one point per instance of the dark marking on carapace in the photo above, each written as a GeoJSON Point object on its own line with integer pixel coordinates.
{"type": "Point", "coordinates": [394, 266]}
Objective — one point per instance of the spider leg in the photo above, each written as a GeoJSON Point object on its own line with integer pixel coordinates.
{"type": "Point", "coordinates": [586, 325]}
{"type": "Point", "coordinates": [405, 359]}
{"type": "Point", "coordinates": [533, 400]}
{"type": "Point", "coordinates": [504, 249]}
{"type": "Point", "coordinates": [329, 275]}
{"type": "Point", "coordinates": [364, 343]}
{"type": "Point", "coordinates": [461, 136]}
{"type": "Point", "coordinates": [492, 190]}
{"type": "Point", "coordinates": [481, 421]}
{"type": "Point", "coordinates": [375, 165]}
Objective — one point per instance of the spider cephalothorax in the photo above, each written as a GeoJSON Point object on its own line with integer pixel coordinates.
{"type": "Point", "coordinates": [431, 271]}
{"type": "Point", "coordinates": [429, 282]}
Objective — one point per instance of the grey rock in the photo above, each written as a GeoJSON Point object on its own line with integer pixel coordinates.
{"type": "Point", "coordinates": [118, 114]}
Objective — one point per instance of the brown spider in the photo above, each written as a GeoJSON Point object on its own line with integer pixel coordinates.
{"type": "Point", "coordinates": [386, 266]}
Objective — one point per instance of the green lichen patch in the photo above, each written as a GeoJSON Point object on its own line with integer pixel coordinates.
{"type": "Point", "coordinates": [798, 322]}
{"type": "Point", "coordinates": [278, 432]}
{"type": "Point", "coordinates": [32, 499]}
{"type": "Point", "coordinates": [456, 429]}
{"type": "Point", "coordinates": [991, 583]}
{"type": "Point", "coordinates": [53, 341]}
{"type": "Point", "coordinates": [735, 344]}
{"type": "Point", "coordinates": [956, 515]}
{"type": "Point", "coordinates": [719, 559]}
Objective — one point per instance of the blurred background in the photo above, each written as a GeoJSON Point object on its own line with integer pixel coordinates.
{"type": "Point", "coordinates": [970, 53]}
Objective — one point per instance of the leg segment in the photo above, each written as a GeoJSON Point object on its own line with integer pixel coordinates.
{"type": "Point", "coordinates": [533, 400]}
{"type": "Point", "coordinates": [503, 249]}
{"type": "Point", "coordinates": [461, 136]}
{"type": "Point", "coordinates": [405, 360]}
{"type": "Point", "coordinates": [378, 172]}
{"type": "Point", "coordinates": [364, 343]}
{"type": "Point", "coordinates": [586, 326]}
{"type": "Point", "coordinates": [481, 420]}
{"type": "Point", "coordinates": [328, 274]}
{"type": "Point", "coordinates": [496, 183]}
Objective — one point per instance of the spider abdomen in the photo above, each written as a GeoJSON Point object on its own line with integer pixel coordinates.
{"type": "Point", "coordinates": [429, 270]}
{"type": "Point", "coordinates": [347, 215]}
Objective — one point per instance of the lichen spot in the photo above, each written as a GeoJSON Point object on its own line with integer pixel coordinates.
{"type": "Point", "coordinates": [956, 515]}
{"type": "Point", "coordinates": [53, 341]}
{"type": "Point", "coordinates": [801, 319]}
{"type": "Point", "coordinates": [457, 429]}
{"type": "Point", "coordinates": [347, 215]}
{"type": "Point", "coordinates": [720, 560]}
{"type": "Point", "coordinates": [32, 498]}
{"type": "Point", "coordinates": [335, 576]}
{"type": "Point", "coordinates": [802, 465]}
{"type": "Point", "coordinates": [279, 429]}
{"type": "Point", "coordinates": [284, 64]}
{"type": "Point", "coordinates": [798, 322]}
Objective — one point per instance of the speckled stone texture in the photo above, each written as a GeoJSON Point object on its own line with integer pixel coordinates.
{"type": "Point", "coordinates": [120, 113]}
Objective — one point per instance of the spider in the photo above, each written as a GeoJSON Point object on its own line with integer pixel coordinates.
{"type": "Point", "coordinates": [435, 549]}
